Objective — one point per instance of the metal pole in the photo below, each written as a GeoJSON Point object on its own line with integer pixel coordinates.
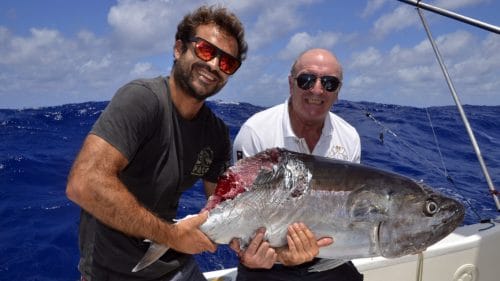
{"type": "Point", "coordinates": [446, 13]}
{"type": "Point", "coordinates": [462, 113]}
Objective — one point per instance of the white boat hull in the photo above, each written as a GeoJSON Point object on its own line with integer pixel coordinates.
{"type": "Point", "coordinates": [467, 254]}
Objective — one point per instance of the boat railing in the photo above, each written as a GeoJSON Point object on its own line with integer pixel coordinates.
{"type": "Point", "coordinates": [486, 26]}
{"type": "Point", "coordinates": [450, 14]}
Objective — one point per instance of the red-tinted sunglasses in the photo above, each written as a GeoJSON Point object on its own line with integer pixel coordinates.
{"type": "Point", "coordinates": [206, 51]}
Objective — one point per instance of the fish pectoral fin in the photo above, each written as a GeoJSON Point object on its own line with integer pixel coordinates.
{"type": "Point", "coordinates": [325, 264]}
{"type": "Point", "coordinates": [365, 212]}
{"type": "Point", "coordinates": [366, 206]}
{"type": "Point", "coordinates": [154, 252]}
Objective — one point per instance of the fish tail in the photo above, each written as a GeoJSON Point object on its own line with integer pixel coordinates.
{"type": "Point", "coordinates": [154, 252]}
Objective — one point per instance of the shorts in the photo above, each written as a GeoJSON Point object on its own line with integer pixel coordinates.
{"type": "Point", "coordinates": [344, 272]}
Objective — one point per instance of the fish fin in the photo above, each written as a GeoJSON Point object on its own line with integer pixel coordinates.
{"type": "Point", "coordinates": [363, 206]}
{"type": "Point", "coordinates": [366, 210]}
{"type": "Point", "coordinates": [154, 252]}
{"type": "Point", "coordinates": [325, 264]}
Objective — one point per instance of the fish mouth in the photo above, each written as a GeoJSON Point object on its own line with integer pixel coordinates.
{"type": "Point", "coordinates": [457, 214]}
{"type": "Point", "coordinates": [451, 212]}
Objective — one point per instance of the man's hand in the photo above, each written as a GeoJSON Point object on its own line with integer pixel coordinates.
{"type": "Point", "coordinates": [302, 245]}
{"type": "Point", "coordinates": [258, 254]}
{"type": "Point", "coordinates": [186, 237]}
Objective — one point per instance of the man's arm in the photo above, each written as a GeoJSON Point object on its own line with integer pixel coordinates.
{"type": "Point", "coordinates": [94, 185]}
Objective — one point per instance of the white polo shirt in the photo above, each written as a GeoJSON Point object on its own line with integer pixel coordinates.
{"type": "Point", "coordinates": [272, 128]}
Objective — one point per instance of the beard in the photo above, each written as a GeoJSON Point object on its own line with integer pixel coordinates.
{"type": "Point", "coordinates": [182, 74]}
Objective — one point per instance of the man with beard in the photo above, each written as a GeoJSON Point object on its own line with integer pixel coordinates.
{"type": "Point", "coordinates": [153, 141]}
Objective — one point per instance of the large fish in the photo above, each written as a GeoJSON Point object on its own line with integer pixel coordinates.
{"type": "Point", "coordinates": [369, 212]}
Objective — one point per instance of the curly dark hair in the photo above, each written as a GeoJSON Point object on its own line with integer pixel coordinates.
{"type": "Point", "coordinates": [213, 14]}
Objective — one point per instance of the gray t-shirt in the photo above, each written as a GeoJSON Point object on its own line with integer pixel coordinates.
{"type": "Point", "coordinates": [167, 155]}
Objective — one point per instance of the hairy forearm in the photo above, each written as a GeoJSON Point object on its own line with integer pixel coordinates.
{"type": "Point", "coordinates": [107, 199]}
{"type": "Point", "coordinates": [94, 185]}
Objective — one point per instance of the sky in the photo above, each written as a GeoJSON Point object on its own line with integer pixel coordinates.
{"type": "Point", "coordinates": [56, 52]}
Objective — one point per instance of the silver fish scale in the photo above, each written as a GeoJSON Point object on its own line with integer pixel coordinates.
{"type": "Point", "coordinates": [269, 208]}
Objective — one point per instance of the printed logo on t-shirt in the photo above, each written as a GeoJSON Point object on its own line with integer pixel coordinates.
{"type": "Point", "coordinates": [202, 165]}
{"type": "Point", "coordinates": [338, 152]}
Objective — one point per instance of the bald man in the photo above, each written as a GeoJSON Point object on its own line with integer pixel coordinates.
{"type": "Point", "coordinates": [303, 123]}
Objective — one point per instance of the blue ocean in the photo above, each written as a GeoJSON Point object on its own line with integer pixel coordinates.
{"type": "Point", "coordinates": [39, 225]}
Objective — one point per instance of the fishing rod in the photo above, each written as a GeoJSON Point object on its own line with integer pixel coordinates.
{"type": "Point", "coordinates": [491, 187]}
{"type": "Point", "coordinates": [446, 13]}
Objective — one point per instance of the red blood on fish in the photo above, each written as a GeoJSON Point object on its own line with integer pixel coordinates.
{"type": "Point", "coordinates": [240, 177]}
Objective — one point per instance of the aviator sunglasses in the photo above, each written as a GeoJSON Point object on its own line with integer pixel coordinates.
{"type": "Point", "coordinates": [206, 51]}
{"type": "Point", "coordinates": [306, 81]}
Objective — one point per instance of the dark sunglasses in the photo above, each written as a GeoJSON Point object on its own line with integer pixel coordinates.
{"type": "Point", "coordinates": [306, 81]}
{"type": "Point", "coordinates": [206, 51]}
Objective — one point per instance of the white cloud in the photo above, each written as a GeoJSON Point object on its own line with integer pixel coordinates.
{"type": "Point", "coordinates": [148, 23]}
{"type": "Point", "coordinates": [412, 73]}
{"type": "Point", "coordinates": [372, 6]}
{"type": "Point", "coordinates": [141, 69]}
{"type": "Point", "coordinates": [145, 24]}
{"type": "Point", "coordinates": [4, 35]}
{"type": "Point", "coordinates": [456, 4]}
{"type": "Point", "coordinates": [399, 19]}
{"type": "Point", "coordinates": [46, 66]}
{"type": "Point", "coordinates": [455, 43]}
{"type": "Point", "coordinates": [273, 22]}
{"type": "Point", "coordinates": [362, 81]}
{"type": "Point", "coordinates": [41, 46]}
{"type": "Point", "coordinates": [266, 21]}
{"type": "Point", "coordinates": [419, 73]}
{"type": "Point", "coordinates": [302, 41]}
{"type": "Point", "coordinates": [95, 65]}
{"type": "Point", "coordinates": [247, 6]}
{"type": "Point", "coordinates": [370, 56]}
{"type": "Point", "coordinates": [479, 67]}
{"type": "Point", "coordinates": [404, 16]}
{"type": "Point", "coordinates": [420, 53]}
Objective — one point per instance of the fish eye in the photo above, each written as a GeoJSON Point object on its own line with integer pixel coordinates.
{"type": "Point", "coordinates": [431, 207]}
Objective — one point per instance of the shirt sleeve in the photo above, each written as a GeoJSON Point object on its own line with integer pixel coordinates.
{"type": "Point", "coordinates": [246, 143]}
{"type": "Point", "coordinates": [127, 119]}
{"type": "Point", "coordinates": [357, 151]}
